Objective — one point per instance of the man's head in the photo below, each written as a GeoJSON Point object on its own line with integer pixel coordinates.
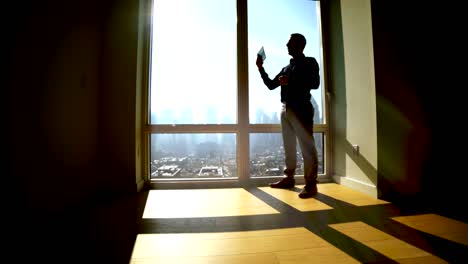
{"type": "Point", "coordinates": [296, 44]}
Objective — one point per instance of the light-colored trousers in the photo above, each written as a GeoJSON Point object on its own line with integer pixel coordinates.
{"type": "Point", "coordinates": [297, 125]}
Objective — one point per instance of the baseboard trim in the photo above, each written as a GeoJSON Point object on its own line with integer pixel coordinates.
{"type": "Point", "coordinates": [357, 185]}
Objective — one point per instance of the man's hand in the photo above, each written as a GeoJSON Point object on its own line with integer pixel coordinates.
{"type": "Point", "coordinates": [283, 80]}
{"type": "Point", "coordinates": [259, 62]}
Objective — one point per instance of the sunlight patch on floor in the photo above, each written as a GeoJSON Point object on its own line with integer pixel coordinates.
{"type": "Point", "coordinates": [385, 244]}
{"type": "Point", "coordinates": [437, 225]}
{"type": "Point", "coordinates": [291, 198]}
{"type": "Point", "coordinates": [288, 245]}
{"type": "Point", "coordinates": [204, 203]}
{"type": "Point", "coordinates": [348, 195]}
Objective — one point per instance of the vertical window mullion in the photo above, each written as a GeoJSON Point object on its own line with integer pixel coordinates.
{"type": "Point", "coordinates": [242, 92]}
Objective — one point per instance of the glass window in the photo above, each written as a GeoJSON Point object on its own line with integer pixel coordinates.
{"type": "Point", "coordinates": [193, 156]}
{"type": "Point", "coordinates": [194, 62]}
{"type": "Point", "coordinates": [270, 24]}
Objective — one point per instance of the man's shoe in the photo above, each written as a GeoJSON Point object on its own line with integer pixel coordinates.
{"type": "Point", "coordinates": [308, 191]}
{"type": "Point", "coordinates": [285, 183]}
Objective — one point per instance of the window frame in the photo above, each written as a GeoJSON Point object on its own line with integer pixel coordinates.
{"type": "Point", "coordinates": [243, 129]}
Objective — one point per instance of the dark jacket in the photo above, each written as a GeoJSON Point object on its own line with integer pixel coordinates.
{"type": "Point", "coordinates": [303, 75]}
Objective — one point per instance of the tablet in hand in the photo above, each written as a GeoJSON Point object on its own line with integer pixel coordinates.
{"type": "Point", "coordinates": [261, 53]}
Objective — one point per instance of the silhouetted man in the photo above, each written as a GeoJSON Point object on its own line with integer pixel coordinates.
{"type": "Point", "coordinates": [296, 81]}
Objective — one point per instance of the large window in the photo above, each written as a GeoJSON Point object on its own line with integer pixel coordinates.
{"type": "Point", "coordinates": [210, 115]}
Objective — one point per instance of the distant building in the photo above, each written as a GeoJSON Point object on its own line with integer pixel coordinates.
{"type": "Point", "coordinates": [167, 171]}
{"type": "Point", "coordinates": [211, 171]}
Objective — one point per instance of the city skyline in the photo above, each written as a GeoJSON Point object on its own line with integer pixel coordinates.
{"type": "Point", "coordinates": [189, 153]}
{"type": "Point", "coordinates": [212, 116]}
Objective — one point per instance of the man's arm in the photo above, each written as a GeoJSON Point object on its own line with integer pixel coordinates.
{"type": "Point", "coordinates": [271, 84]}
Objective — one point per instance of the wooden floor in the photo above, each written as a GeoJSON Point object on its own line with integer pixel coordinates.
{"type": "Point", "coordinates": [238, 225]}
{"type": "Point", "coordinates": [265, 225]}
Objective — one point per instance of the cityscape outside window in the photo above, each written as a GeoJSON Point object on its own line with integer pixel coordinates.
{"type": "Point", "coordinates": [199, 156]}
{"type": "Point", "coordinates": [208, 156]}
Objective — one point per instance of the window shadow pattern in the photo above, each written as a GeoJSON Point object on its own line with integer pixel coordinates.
{"type": "Point", "coordinates": [377, 216]}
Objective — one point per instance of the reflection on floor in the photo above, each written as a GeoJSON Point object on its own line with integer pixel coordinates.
{"type": "Point", "coordinates": [264, 225]}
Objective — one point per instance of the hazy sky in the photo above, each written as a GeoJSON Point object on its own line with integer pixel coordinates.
{"type": "Point", "coordinates": [194, 55]}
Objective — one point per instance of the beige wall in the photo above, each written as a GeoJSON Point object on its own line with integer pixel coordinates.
{"type": "Point", "coordinates": [353, 95]}
{"type": "Point", "coordinates": [360, 83]}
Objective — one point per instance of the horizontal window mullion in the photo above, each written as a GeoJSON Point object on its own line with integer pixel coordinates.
{"type": "Point", "coordinates": [272, 128]}
{"type": "Point", "coordinates": [321, 128]}
{"type": "Point", "coordinates": [191, 129]}
{"type": "Point", "coordinates": [264, 128]}
{"type": "Point", "coordinates": [257, 128]}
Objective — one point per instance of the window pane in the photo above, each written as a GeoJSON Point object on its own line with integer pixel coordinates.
{"type": "Point", "coordinates": [194, 62]}
{"type": "Point", "coordinates": [270, 24]}
{"type": "Point", "coordinates": [200, 156]}
{"type": "Point", "coordinates": [267, 155]}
